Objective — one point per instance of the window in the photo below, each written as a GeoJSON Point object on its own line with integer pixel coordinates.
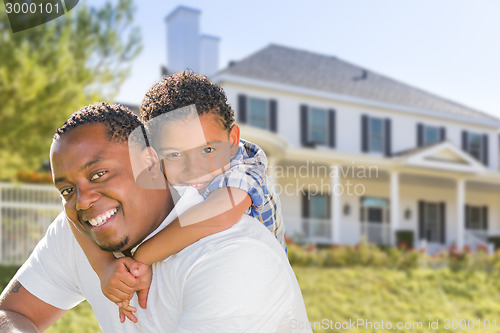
{"type": "Point", "coordinates": [318, 206]}
{"type": "Point", "coordinates": [432, 222]}
{"type": "Point", "coordinates": [374, 210]}
{"type": "Point", "coordinates": [376, 135]}
{"type": "Point", "coordinates": [474, 145]}
{"type": "Point", "coordinates": [316, 213]}
{"type": "Point", "coordinates": [431, 135]}
{"type": "Point", "coordinates": [476, 217]}
{"type": "Point", "coordinates": [318, 126]}
{"type": "Point", "coordinates": [258, 113]}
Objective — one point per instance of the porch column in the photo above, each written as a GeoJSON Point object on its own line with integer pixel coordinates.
{"type": "Point", "coordinates": [271, 170]}
{"type": "Point", "coordinates": [460, 213]}
{"type": "Point", "coordinates": [394, 220]}
{"type": "Point", "coordinates": [336, 192]}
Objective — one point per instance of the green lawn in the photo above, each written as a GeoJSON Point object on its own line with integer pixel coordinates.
{"type": "Point", "coordinates": [374, 295]}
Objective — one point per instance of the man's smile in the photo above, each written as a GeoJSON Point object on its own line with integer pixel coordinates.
{"type": "Point", "coordinates": [102, 218]}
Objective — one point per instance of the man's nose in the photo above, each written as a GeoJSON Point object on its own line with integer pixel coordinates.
{"type": "Point", "coordinates": [86, 197]}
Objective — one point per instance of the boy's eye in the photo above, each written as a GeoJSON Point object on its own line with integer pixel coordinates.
{"type": "Point", "coordinates": [173, 155]}
{"type": "Point", "coordinates": [208, 150]}
{"type": "Point", "coordinates": [66, 191]}
{"type": "Point", "coordinates": [97, 175]}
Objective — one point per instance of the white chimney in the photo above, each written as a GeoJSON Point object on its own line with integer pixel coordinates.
{"type": "Point", "coordinates": [209, 54]}
{"type": "Point", "coordinates": [186, 48]}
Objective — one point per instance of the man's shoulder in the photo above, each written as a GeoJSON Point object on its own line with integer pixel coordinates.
{"type": "Point", "coordinates": [247, 239]}
{"type": "Point", "coordinates": [59, 228]}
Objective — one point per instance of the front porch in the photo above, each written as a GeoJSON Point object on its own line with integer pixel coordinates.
{"type": "Point", "coordinates": [441, 195]}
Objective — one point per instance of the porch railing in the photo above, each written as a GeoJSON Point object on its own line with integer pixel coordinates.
{"type": "Point", "coordinates": [25, 213]}
{"type": "Point", "coordinates": [378, 233]}
{"type": "Point", "coordinates": [317, 230]}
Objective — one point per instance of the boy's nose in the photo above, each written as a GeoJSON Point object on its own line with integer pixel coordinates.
{"type": "Point", "coordinates": [197, 166]}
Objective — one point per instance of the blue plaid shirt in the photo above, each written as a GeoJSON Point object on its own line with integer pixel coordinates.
{"type": "Point", "coordinates": [247, 171]}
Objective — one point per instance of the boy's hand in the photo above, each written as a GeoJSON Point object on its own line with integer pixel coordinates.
{"type": "Point", "coordinates": [126, 310]}
{"type": "Point", "coordinates": [144, 274]}
{"type": "Point", "coordinates": [118, 283]}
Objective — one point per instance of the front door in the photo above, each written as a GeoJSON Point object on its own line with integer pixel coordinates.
{"type": "Point", "coordinates": [432, 221]}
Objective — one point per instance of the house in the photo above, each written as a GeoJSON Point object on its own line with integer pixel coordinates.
{"type": "Point", "coordinates": [353, 152]}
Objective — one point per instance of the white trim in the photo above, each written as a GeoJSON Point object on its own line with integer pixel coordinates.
{"type": "Point", "coordinates": [335, 206]}
{"type": "Point", "coordinates": [490, 123]}
{"type": "Point", "coordinates": [460, 213]}
{"type": "Point", "coordinates": [471, 165]}
{"type": "Point", "coordinates": [394, 206]}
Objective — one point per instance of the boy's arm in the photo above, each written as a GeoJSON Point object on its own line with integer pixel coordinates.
{"type": "Point", "coordinates": [220, 211]}
{"type": "Point", "coordinates": [98, 259]}
{"type": "Point", "coordinates": [117, 283]}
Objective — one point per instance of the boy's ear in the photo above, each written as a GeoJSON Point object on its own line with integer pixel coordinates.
{"type": "Point", "coordinates": [234, 138]}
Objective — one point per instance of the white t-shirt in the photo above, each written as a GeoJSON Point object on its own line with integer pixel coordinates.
{"type": "Point", "coordinates": [238, 280]}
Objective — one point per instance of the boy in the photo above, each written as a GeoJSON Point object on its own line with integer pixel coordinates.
{"type": "Point", "coordinates": [192, 129]}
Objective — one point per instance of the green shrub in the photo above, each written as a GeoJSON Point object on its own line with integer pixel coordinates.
{"type": "Point", "coordinates": [404, 238]}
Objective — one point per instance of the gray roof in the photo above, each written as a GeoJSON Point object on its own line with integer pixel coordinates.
{"type": "Point", "coordinates": [310, 70]}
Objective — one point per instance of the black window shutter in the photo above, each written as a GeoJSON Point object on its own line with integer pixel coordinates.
{"type": "Point", "coordinates": [329, 205]}
{"type": "Point", "coordinates": [485, 217]}
{"type": "Point", "coordinates": [305, 205]}
{"type": "Point", "coordinates": [465, 144]}
{"type": "Point", "coordinates": [442, 212]}
{"type": "Point", "coordinates": [387, 137]}
{"type": "Point", "coordinates": [442, 133]}
{"type": "Point", "coordinates": [467, 217]}
{"type": "Point", "coordinates": [304, 126]}
{"type": "Point", "coordinates": [485, 149]}
{"type": "Point", "coordinates": [420, 135]}
{"type": "Point", "coordinates": [305, 214]}
{"type": "Point", "coordinates": [331, 128]}
{"type": "Point", "coordinates": [421, 220]}
{"type": "Point", "coordinates": [273, 115]}
{"type": "Point", "coordinates": [242, 109]}
{"type": "Point", "coordinates": [364, 133]}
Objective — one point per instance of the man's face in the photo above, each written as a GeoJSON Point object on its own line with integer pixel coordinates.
{"type": "Point", "coordinates": [195, 150]}
{"type": "Point", "coordinates": [99, 192]}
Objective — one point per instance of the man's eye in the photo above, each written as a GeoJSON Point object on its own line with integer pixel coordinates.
{"type": "Point", "coordinates": [66, 191]}
{"type": "Point", "coordinates": [97, 175]}
{"type": "Point", "coordinates": [208, 150]}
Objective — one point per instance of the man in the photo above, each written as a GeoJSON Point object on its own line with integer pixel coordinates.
{"type": "Point", "coordinates": [238, 280]}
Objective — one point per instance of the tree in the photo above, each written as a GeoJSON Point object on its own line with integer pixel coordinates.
{"type": "Point", "coordinates": [50, 71]}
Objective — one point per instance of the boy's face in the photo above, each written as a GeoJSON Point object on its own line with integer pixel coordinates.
{"type": "Point", "coordinates": [195, 150]}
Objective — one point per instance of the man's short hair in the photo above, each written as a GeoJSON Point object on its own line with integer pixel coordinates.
{"type": "Point", "coordinates": [186, 88]}
{"type": "Point", "coordinates": [118, 119]}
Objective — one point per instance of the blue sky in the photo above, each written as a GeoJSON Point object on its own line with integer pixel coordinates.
{"type": "Point", "coordinates": [447, 47]}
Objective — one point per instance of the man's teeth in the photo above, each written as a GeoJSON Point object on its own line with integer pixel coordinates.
{"type": "Point", "coordinates": [101, 219]}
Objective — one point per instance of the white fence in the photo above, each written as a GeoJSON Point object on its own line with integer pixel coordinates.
{"type": "Point", "coordinates": [25, 213]}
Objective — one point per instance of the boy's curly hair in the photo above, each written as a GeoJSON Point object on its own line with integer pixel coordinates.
{"type": "Point", "coordinates": [118, 119]}
{"type": "Point", "coordinates": [185, 88]}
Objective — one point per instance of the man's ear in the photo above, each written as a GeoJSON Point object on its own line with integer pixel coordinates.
{"type": "Point", "coordinates": [151, 176]}
{"type": "Point", "coordinates": [234, 138]}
